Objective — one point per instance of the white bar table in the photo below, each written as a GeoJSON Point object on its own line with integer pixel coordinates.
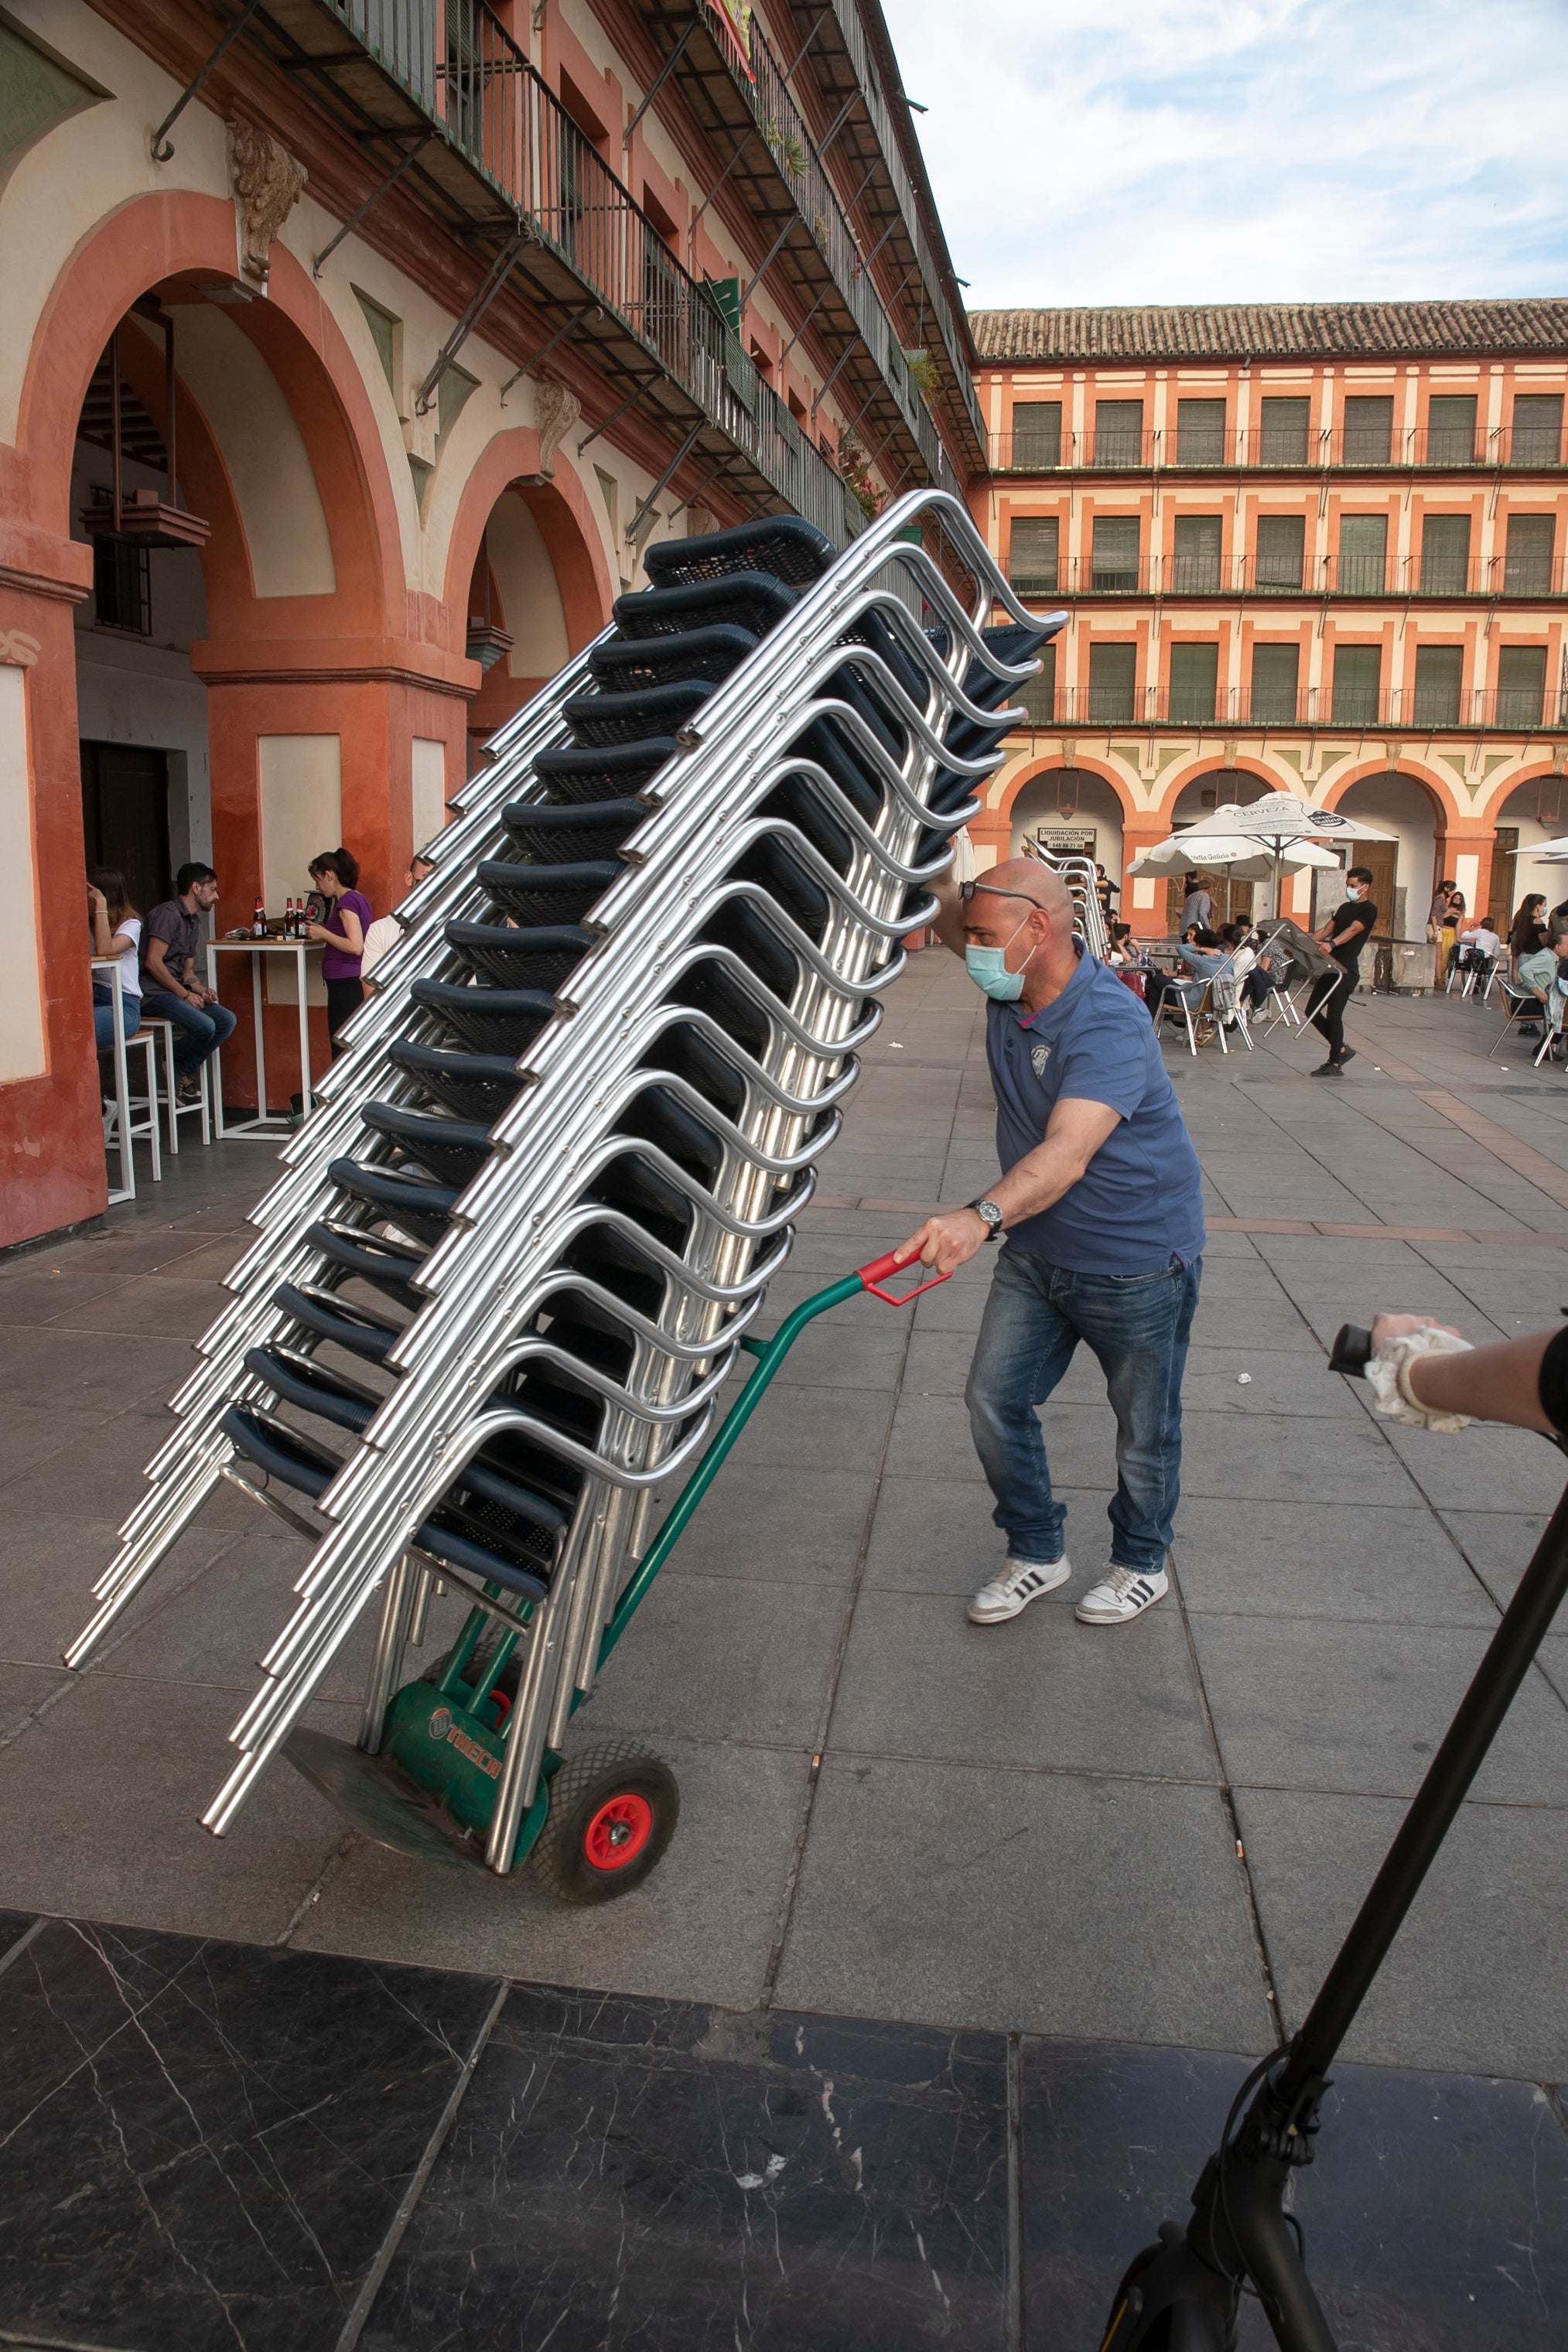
{"type": "Point", "coordinates": [110, 967]}
{"type": "Point", "coordinates": [266, 1126]}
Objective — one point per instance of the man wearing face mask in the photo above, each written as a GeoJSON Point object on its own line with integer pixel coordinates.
{"type": "Point", "coordinates": [1344, 934]}
{"type": "Point", "coordinates": [1100, 1207]}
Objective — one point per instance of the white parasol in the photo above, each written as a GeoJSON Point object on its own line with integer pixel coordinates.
{"type": "Point", "coordinates": [1242, 859]}
{"type": "Point", "coordinates": [1278, 823]}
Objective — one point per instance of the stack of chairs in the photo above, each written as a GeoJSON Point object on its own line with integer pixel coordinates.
{"type": "Point", "coordinates": [503, 1278]}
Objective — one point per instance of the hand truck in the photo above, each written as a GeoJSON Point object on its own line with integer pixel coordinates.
{"type": "Point", "coordinates": [601, 1819]}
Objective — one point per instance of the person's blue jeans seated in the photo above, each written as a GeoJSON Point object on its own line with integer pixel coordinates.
{"type": "Point", "coordinates": [103, 1017]}
{"type": "Point", "coordinates": [1138, 1326]}
{"type": "Point", "coordinates": [198, 1033]}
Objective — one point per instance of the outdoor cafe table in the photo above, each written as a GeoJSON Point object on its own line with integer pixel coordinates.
{"type": "Point", "coordinates": [267, 1126]}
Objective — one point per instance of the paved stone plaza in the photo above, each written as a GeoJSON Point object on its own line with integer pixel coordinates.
{"type": "Point", "coordinates": [1151, 1835]}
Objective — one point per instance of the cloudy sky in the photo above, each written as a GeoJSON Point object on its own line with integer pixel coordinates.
{"type": "Point", "coordinates": [1203, 151]}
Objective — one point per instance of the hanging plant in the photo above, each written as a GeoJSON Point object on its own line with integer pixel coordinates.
{"type": "Point", "coordinates": [856, 473]}
{"type": "Point", "coordinates": [922, 374]}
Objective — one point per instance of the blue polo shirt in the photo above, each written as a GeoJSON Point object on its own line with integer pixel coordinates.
{"type": "Point", "coordinates": [1139, 1203]}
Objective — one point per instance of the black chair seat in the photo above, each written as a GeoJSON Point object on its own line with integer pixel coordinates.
{"type": "Point", "coordinates": [633, 665]}
{"type": "Point", "coordinates": [654, 711]}
{"type": "Point", "coordinates": [422, 1209]}
{"type": "Point", "coordinates": [386, 1264]}
{"type": "Point", "coordinates": [296, 1463]}
{"type": "Point", "coordinates": [605, 772]}
{"type": "Point", "coordinates": [787, 546]}
{"type": "Point", "coordinates": [594, 831]}
{"type": "Point", "coordinates": [549, 893]}
{"type": "Point", "coordinates": [540, 955]}
{"type": "Point", "coordinates": [494, 1021]}
{"type": "Point", "coordinates": [453, 1149]}
{"type": "Point", "coordinates": [746, 600]}
{"type": "Point", "coordinates": [475, 1085]}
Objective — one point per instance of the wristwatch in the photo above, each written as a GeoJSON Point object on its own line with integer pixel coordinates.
{"type": "Point", "coordinates": [992, 1215]}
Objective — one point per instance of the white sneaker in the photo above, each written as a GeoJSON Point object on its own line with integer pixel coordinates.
{"type": "Point", "coordinates": [1122, 1593]}
{"type": "Point", "coordinates": [1020, 1581]}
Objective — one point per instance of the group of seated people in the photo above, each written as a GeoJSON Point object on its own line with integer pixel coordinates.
{"type": "Point", "coordinates": [1238, 956]}
{"type": "Point", "coordinates": [1538, 944]}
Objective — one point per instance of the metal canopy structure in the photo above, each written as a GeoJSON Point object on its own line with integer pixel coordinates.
{"type": "Point", "coordinates": [498, 159]}
{"type": "Point", "coordinates": [744, 102]}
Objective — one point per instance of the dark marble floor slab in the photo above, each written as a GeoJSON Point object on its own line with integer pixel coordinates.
{"type": "Point", "coordinates": [1436, 2215]}
{"type": "Point", "coordinates": [204, 2145]}
{"type": "Point", "coordinates": [633, 2173]}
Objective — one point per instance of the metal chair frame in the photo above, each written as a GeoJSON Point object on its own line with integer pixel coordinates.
{"type": "Point", "coordinates": [483, 1282]}
{"type": "Point", "coordinates": [174, 1111]}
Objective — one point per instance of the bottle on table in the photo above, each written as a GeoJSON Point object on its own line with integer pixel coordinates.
{"type": "Point", "coordinates": [259, 927]}
{"type": "Point", "coordinates": [288, 919]}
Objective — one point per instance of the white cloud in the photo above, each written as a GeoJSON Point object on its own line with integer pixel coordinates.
{"type": "Point", "coordinates": [1213, 150]}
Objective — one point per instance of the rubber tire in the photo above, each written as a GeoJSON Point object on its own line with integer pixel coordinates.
{"type": "Point", "coordinates": [584, 1783]}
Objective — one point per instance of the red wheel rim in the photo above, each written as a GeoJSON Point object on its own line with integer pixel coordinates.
{"type": "Point", "coordinates": [618, 1831]}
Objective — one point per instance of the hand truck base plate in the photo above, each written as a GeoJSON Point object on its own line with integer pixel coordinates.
{"type": "Point", "coordinates": [382, 1801]}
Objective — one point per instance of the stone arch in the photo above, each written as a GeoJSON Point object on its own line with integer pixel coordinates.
{"type": "Point", "coordinates": [1536, 806]}
{"type": "Point", "coordinates": [180, 240]}
{"type": "Point", "coordinates": [311, 649]}
{"type": "Point", "coordinates": [1252, 776]}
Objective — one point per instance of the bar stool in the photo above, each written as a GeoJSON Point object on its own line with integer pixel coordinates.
{"type": "Point", "coordinates": [202, 1108]}
{"type": "Point", "coordinates": [137, 1130]}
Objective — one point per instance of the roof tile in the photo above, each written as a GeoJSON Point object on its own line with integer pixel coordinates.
{"type": "Point", "coordinates": [1273, 331]}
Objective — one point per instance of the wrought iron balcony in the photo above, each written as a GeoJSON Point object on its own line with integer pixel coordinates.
{"type": "Point", "coordinates": [1277, 448]}
{"type": "Point", "coordinates": [1408, 710]}
{"type": "Point", "coordinates": [1523, 580]}
{"type": "Point", "coordinates": [740, 94]}
{"type": "Point", "coordinates": [486, 147]}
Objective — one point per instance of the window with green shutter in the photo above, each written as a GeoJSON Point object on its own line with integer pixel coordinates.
{"type": "Point", "coordinates": [1439, 681]}
{"type": "Point", "coordinates": [1451, 428]}
{"type": "Point", "coordinates": [1038, 695]}
{"type": "Point", "coordinates": [1368, 436]}
{"type": "Point", "coordinates": [1033, 554]}
{"type": "Point", "coordinates": [1521, 685]}
{"type": "Point", "coordinates": [1362, 569]}
{"type": "Point", "coordinates": [1118, 431]}
{"type": "Point", "coordinates": [1357, 679]}
{"type": "Point", "coordinates": [1281, 551]}
{"type": "Point", "coordinates": [1445, 555]}
{"type": "Point", "coordinates": [1195, 682]}
{"type": "Point", "coordinates": [1535, 437]}
{"type": "Point", "coordinates": [1283, 429]}
{"type": "Point", "coordinates": [1200, 433]}
{"type": "Point", "coordinates": [1195, 564]}
{"type": "Point", "coordinates": [1114, 560]}
{"type": "Point", "coordinates": [1527, 566]}
{"type": "Point", "coordinates": [1276, 673]}
{"type": "Point", "coordinates": [1037, 433]}
{"type": "Point", "coordinates": [1113, 683]}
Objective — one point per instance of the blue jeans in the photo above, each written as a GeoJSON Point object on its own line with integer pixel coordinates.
{"type": "Point", "coordinates": [1138, 1326]}
{"type": "Point", "coordinates": [103, 1018]}
{"type": "Point", "coordinates": [204, 1032]}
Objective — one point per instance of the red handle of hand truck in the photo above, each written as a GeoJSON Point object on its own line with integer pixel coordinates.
{"type": "Point", "coordinates": [877, 1272]}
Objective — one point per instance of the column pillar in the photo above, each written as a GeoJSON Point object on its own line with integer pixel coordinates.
{"type": "Point", "coordinates": [1144, 895]}
{"type": "Point", "coordinates": [345, 750]}
{"type": "Point", "coordinates": [51, 1130]}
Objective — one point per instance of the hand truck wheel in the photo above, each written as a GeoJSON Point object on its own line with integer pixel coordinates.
{"type": "Point", "coordinates": [612, 1811]}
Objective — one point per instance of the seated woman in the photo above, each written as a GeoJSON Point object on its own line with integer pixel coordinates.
{"type": "Point", "coordinates": [1207, 959]}
{"type": "Point", "coordinates": [116, 929]}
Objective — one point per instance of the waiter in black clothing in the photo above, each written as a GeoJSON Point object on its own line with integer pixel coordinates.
{"type": "Point", "coordinates": [1343, 935]}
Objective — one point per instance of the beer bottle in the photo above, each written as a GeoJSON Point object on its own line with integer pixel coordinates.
{"type": "Point", "coordinates": [258, 928]}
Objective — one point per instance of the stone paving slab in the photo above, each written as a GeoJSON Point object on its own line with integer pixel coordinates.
{"type": "Point", "coordinates": [888, 1811]}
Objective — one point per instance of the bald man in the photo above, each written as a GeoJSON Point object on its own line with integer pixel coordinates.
{"type": "Point", "coordinates": [1099, 1212]}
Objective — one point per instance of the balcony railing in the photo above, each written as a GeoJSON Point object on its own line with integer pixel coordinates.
{"type": "Point", "coordinates": [1276, 575]}
{"type": "Point", "coordinates": [1274, 449]}
{"type": "Point", "coordinates": [1406, 709]}
{"type": "Point", "coordinates": [483, 96]}
{"type": "Point", "coordinates": [846, 18]}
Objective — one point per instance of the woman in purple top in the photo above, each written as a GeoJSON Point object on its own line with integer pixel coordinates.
{"type": "Point", "coordinates": [335, 875]}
